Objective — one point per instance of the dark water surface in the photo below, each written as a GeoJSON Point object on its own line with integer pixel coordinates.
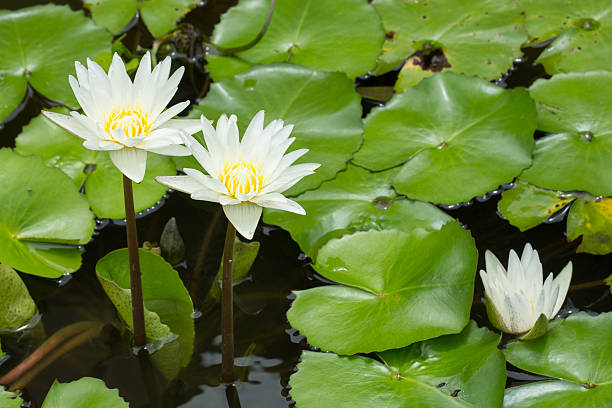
{"type": "Point", "coordinates": [267, 349]}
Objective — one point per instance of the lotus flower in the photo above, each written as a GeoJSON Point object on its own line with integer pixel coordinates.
{"type": "Point", "coordinates": [243, 175]}
{"type": "Point", "coordinates": [516, 299]}
{"type": "Point", "coordinates": [127, 118]}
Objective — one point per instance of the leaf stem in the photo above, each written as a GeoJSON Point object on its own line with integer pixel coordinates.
{"type": "Point", "coordinates": [227, 307]}
{"type": "Point", "coordinates": [45, 348]}
{"type": "Point", "coordinates": [135, 276]}
{"type": "Point", "coordinates": [53, 348]}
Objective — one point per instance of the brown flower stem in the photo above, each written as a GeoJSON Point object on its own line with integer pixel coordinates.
{"type": "Point", "coordinates": [227, 307]}
{"type": "Point", "coordinates": [140, 338]}
{"type": "Point", "coordinates": [587, 285]}
{"type": "Point", "coordinates": [43, 356]}
{"type": "Point", "coordinates": [45, 348]}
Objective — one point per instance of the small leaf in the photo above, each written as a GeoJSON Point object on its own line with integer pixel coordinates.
{"type": "Point", "coordinates": [592, 219]}
{"type": "Point", "coordinates": [16, 305]}
{"type": "Point", "coordinates": [9, 399]}
{"type": "Point", "coordinates": [171, 243]}
{"type": "Point", "coordinates": [85, 392]}
{"type": "Point", "coordinates": [526, 205]}
{"type": "Point", "coordinates": [538, 330]}
{"type": "Point", "coordinates": [244, 256]}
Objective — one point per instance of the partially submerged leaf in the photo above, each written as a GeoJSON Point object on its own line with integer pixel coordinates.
{"type": "Point", "coordinates": [526, 206]}
{"type": "Point", "coordinates": [168, 307]}
{"type": "Point", "coordinates": [591, 218]}
{"type": "Point", "coordinates": [9, 399]}
{"type": "Point", "coordinates": [16, 305]}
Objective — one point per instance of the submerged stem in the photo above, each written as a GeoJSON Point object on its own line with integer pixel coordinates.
{"type": "Point", "coordinates": [56, 346]}
{"type": "Point", "coordinates": [227, 307]}
{"type": "Point", "coordinates": [45, 348]}
{"type": "Point", "coordinates": [135, 278]}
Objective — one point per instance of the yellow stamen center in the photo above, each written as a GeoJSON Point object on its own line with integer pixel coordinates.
{"type": "Point", "coordinates": [242, 177]}
{"type": "Point", "coordinates": [134, 122]}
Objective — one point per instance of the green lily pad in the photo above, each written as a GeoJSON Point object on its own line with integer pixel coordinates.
{"type": "Point", "coordinates": [305, 33]}
{"type": "Point", "coordinates": [160, 16]}
{"type": "Point", "coordinates": [42, 217]}
{"type": "Point", "coordinates": [396, 288]}
{"type": "Point", "coordinates": [323, 106]}
{"type": "Point", "coordinates": [45, 56]}
{"type": "Point", "coordinates": [93, 170]}
{"type": "Point", "coordinates": [526, 206]}
{"type": "Point", "coordinates": [461, 370]}
{"type": "Point", "coordinates": [9, 399]}
{"type": "Point", "coordinates": [593, 220]}
{"type": "Point", "coordinates": [584, 30]}
{"type": "Point", "coordinates": [455, 137]}
{"type": "Point", "coordinates": [356, 200]}
{"type": "Point", "coordinates": [168, 307]}
{"type": "Point", "coordinates": [85, 392]}
{"type": "Point", "coordinates": [575, 108]}
{"type": "Point", "coordinates": [577, 351]}
{"type": "Point", "coordinates": [232, 32]}
{"type": "Point", "coordinates": [16, 305]}
{"type": "Point", "coordinates": [481, 37]}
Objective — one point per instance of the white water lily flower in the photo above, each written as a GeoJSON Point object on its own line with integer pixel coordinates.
{"type": "Point", "coordinates": [127, 118]}
{"type": "Point", "coordinates": [243, 175]}
{"type": "Point", "coordinates": [516, 299]}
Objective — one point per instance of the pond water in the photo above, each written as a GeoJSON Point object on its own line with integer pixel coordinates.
{"type": "Point", "coordinates": [267, 348]}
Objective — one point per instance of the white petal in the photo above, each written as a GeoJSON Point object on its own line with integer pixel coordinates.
{"type": "Point", "coordinates": [253, 130]}
{"type": "Point", "coordinates": [185, 184]}
{"type": "Point", "coordinates": [70, 124]}
{"type": "Point", "coordinates": [244, 217]}
{"type": "Point", "coordinates": [206, 195]}
{"type": "Point", "coordinates": [133, 141]}
{"type": "Point", "coordinates": [169, 113]}
{"type": "Point", "coordinates": [121, 84]}
{"type": "Point", "coordinates": [290, 177]}
{"type": "Point", "coordinates": [210, 182]}
{"type": "Point", "coordinates": [286, 161]}
{"type": "Point", "coordinates": [190, 126]}
{"type": "Point", "coordinates": [279, 202]}
{"type": "Point", "coordinates": [562, 281]}
{"type": "Point", "coordinates": [201, 154]}
{"type": "Point", "coordinates": [99, 144]}
{"type": "Point", "coordinates": [170, 150]}
{"type": "Point", "coordinates": [131, 162]}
